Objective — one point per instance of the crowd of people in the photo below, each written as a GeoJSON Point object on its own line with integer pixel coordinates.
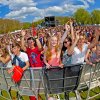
{"type": "Point", "coordinates": [50, 46]}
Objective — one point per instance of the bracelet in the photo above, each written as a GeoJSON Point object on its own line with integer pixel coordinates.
{"type": "Point", "coordinates": [36, 37]}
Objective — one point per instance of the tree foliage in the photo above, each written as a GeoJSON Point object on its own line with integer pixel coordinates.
{"type": "Point", "coordinates": [95, 15]}
{"type": "Point", "coordinates": [26, 25]}
{"type": "Point", "coordinates": [81, 15]}
{"type": "Point", "coordinates": [8, 25]}
{"type": "Point", "coordinates": [36, 23]}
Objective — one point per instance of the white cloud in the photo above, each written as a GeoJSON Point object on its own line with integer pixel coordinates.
{"type": "Point", "coordinates": [91, 1]}
{"type": "Point", "coordinates": [97, 9]}
{"type": "Point", "coordinates": [36, 19]}
{"type": "Point", "coordinates": [54, 9]}
{"type": "Point", "coordinates": [67, 7]}
{"type": "Point", "coordinates": [22, 12]}
{"type": "Point", "coordinates": [85, 4]}
{"type": "Point", "coordinates": [17, 4]}
{"type": "Point", "coordinates": [43, 1]}
{"type": "Point", "coordinates": [21, 9]}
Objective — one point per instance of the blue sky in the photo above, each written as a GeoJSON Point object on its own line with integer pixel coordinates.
{"type": "Point", "coordinates": [32, 10]}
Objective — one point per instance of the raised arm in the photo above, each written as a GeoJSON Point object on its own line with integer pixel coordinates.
{"type": "Point", "coordinates": [72, 31]}
{"type": "Point", "coordinates": [91, 45]}
{"type": "Point", "coordinates": [38, 43]}
{"type": "Point", "coordinates": [5, 60]}
{"type": "Point", "coordinates": [67, 28]}
{"type": "Point", "coordinates": [71, 50]}
{"type": "Point", "coordinates": [23, 47]}
{"type": "Point", "coordinates": [87, 57]}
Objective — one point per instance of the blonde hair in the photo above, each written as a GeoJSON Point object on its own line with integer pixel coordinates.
{"type": "Point", "coordinates": [48, 52]}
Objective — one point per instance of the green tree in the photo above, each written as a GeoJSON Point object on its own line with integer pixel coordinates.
{"type": "Point", "coordinates": [83, 16]}
{"type": "Point", "coordinates": [36, 23]}
{"type": "Point", "coordinates": [95, 17]}
{"type": "Point", "coordinates": [26, 25]}
{"type": "Point", "coordinates": [62, 20]}
{"type": "Point", "coordinates": [9, 25]}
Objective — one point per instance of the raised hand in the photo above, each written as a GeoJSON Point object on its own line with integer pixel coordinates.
{"type": "Point", "coordinates": [71, 22]}
{"type": "Point", "coordinates": [77, 36]}
{"type": "Point", "coordinates": [78, 31]}
{"type": "Point", "coordinates": [23, 32]}
{"type": "Point", "coordinates": [67, 27]}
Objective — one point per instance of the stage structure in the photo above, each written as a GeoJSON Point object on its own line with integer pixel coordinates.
{"type": "Point", "coordinates": [51, 21]}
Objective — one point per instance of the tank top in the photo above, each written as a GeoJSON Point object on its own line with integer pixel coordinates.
{"type": "Point", "coordinates": [55, 60]}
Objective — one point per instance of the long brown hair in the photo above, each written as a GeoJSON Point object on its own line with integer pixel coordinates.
{"type": "Point", "coordinates": [5, 52]}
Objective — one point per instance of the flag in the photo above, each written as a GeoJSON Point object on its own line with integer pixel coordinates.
{"type": "Point", "coordinates": [34, 31]}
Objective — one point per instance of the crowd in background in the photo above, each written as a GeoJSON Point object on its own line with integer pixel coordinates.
{"type": "Point", "coordinates": [50, 46]}
{"type": "Point", "coordinates": [53, 46]}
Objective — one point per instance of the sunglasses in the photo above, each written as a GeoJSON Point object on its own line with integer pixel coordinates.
{"type": "Point", "coordinates": [65, 42]}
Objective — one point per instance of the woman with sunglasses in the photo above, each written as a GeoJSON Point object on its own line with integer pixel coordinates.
{"type": "Point", "coordinates": [66, 59]}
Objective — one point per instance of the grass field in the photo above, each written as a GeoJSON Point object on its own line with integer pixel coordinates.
{"type": "Point", "coordinates": [83, 94]}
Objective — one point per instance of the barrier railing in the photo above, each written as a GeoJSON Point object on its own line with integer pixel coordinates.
{"type": "Point", "coordinates": [55, 80]}
{"type": "Point", "coordinates": [58, 80]}
{"type": "Point", "coordinates": [90, 79]}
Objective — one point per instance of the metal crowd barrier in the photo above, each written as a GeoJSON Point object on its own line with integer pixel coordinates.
{"type": "Point", "coordinates": [62, 80]}
{"type": "Point", "coordinates": [37, 82]}
{"type": "Point", "coordinates": [29, 85]}
{"type": "Point", "coordinates": [4, 86]}
{"type": "Point", "coordinates": [90, 79]}
{"type": "Point", "coordinates": [51, 81]}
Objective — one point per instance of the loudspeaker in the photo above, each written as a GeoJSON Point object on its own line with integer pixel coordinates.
{"type": "Point", "coordinates": [46, 19]}
{"type": "Point", "coordinates": [50, 18]}
{"type": "Point", "coordinates": [50, 21]}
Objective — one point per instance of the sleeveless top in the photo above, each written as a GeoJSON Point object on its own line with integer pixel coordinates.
{"type": "Point", "coordinates": [66, 58]}
{"type": "Point", "coordinates": [55, 60]}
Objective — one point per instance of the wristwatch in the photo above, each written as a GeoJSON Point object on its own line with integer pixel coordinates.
{"type": "Point", "coordinates": [36, 37]}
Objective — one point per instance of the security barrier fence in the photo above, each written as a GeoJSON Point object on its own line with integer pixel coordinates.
{"type": "Point", "coordinates": [36, 81]}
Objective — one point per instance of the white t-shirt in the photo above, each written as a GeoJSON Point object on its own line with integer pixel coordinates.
{"type": "Point", "coordinates": [9, 64]}
{"type": "Point", "coordinates": [23, 57]}
{"type": "Point", "coordinates": [78, 56]}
